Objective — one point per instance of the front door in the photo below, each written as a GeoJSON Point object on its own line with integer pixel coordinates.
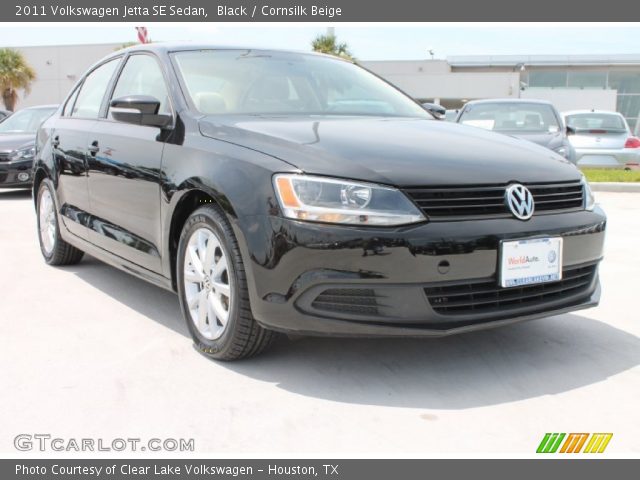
{"type": "Point", "coordinates": [124, 164]}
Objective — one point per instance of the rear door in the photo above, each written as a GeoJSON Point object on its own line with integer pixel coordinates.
{"type": "Point", "coordinates": [70, 141]}
{"type": "Point", "coordinates": [125, 170]}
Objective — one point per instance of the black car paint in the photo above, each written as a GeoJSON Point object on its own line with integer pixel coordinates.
{"type": "Point", "coordinates": [134, 221]}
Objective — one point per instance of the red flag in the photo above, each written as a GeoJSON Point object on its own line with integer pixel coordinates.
{"type": "Point", "coordinates": [142, 34]}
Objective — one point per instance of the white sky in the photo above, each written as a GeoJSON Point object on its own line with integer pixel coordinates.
{"type": "Point", "coordinates": [367, 42]}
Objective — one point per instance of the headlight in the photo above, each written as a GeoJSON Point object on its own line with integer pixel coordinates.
{"type": "Point", "coordinates": [589, 199]}
{"type": "Point", "coordinates": [328, 200]}
{"type": "Point", "coordinates": [24, 154]}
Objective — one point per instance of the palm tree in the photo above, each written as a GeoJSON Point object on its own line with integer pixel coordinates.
{"type": "Point", "coordinates": [15, 74]}
{"type": "Point", "coordinates": [329, 44]}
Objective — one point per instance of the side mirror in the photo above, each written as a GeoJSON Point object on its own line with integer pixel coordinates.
{"type": "Point", "coordinates": [570, 131]}
{"type": "Point", "coordinates": [139, 110]}
{"type": "Point", "coordinates": [437, 111]}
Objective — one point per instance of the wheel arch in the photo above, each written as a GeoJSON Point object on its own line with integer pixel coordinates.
{"type": "Point", "coordinates": [39, 175]}
{"type": "Point", "coordinates": [188, 202]}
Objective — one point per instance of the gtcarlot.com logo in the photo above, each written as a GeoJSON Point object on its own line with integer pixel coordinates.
{"type": "Point", "coordinates": [44, 442]}
{"type": "Point", "coordinates": [574, 443]}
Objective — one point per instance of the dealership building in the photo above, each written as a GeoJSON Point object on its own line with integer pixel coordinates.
{"type": "Point", "coordinates": [608, 82]}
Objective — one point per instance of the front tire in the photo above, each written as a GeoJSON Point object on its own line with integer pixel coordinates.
{"type": "Point", "coordinates": [54, 249]}
{"type": "Point", "coordinates": [213, 290]}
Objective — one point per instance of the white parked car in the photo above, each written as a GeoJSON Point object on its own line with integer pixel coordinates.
{"type": "Point", "coordinates": [602, 139]}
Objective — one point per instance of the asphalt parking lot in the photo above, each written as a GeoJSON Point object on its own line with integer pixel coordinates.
{"type": "Point", "coordinates": [89, 351]}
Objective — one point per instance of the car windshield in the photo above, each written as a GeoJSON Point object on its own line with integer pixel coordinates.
{"type": "Point", "coordinates": [26, 121]}
{"type": "Point", "coordinates": [596, 121]}
{"type": "Point", "coordinates": [262, 82]}
{"type": "Point", "coordinates": [511, 117]}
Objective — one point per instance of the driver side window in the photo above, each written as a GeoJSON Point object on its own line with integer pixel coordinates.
{"type": "Point", "coordinates": [142, 76]}
{"type": "Point", "coordinates": [89, 99]}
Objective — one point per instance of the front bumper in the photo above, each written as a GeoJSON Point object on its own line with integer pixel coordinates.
{"type": "Point", "coordinates": [607, 158]}
{"type": "Point", "coordinates": [330, 280]}
{"type": "Point", "coordinates": [11, 171]}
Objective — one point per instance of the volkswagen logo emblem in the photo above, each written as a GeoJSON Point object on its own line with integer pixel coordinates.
{"type": "Point", "coordinates": [520, 201]}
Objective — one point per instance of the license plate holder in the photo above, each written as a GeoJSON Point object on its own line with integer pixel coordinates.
{"type": "Point", "coordinates": [530, 261]}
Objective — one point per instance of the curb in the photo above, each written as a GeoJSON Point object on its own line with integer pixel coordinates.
{"type": "Point", "coordinates": [626, 187]}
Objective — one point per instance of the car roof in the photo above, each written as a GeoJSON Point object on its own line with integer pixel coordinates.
{"type": "Point", "coordinates": [169, 47]}
{"type": "Point", "coordinates": [509, 100]}
{"type": "Point", "coordinates": [580, 112]}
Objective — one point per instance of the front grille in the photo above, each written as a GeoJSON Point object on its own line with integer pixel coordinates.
{"type": "Point", "coordinates": [488, 296]}
{"type": "Point", "coordinates": [455, 202]}
{"type": "Point", "coordinates": [360, 301]}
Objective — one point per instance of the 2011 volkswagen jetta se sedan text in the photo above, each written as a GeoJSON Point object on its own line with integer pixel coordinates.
{"type": "Point", "coordinates": [299, 193]}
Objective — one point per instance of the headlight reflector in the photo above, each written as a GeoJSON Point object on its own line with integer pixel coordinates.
{"type": "Point", "coordinates": [589, 199]}
{"type": "Point", "coordinates": [332, 200]}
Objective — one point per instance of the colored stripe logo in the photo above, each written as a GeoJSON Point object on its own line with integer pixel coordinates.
{"type": "Point", "coordinates": [574, 443]}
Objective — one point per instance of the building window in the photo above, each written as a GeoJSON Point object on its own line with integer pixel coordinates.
{"type": "Point", "coordinates": [587, 79]}
{"type": "Point", "coordinates": [548, 79]}
{"type": "Point", "coordinates": [629, 106]}
{"type": "Point", "coordinates": [625, 82]}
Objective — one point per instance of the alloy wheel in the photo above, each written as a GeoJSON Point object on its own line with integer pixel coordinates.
{"type": "Point", "coordinates": [208, 283]}
{"type": "Point", "coordinates": [47, 222]}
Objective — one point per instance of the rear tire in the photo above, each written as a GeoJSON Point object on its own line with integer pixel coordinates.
{"type": "Point", "coordinates": [212, 288]}
{"type": "Point", "coordinates": [54, 249]}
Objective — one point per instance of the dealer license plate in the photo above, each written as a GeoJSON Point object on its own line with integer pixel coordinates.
{"type": "Point", "coordinates": [526, 262]}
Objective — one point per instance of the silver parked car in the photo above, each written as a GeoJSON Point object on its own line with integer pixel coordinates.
{"type": "Point", "coordinates": [537, 121]}
{"type": "Point", "coordinates": [602, 139]}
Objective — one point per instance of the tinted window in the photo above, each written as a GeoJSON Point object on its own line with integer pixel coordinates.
{"type": "Point", "coordinates": [142, 76]}
{"type": "Point", "coordinates": [262, 82]}
{"type": "Point", "coordinates": [588, 79]}
{"type": "Point", "coordinates": [511, 117]}
{"type": "Point", "coordinates": [605, 121]}
{"type": "Point", "coordinates": [92, 91]}
{"type": "Point", "coordinates": [26, 121]}
{"type": "Point", "coordinates": [628, 105]}
{"type": "Point", "coordinates": [625, 82]}
{"type": "Point", "coordinates": [547, 79]}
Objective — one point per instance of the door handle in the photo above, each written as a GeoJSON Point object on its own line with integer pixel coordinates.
{"type": "Point", "coordinates": [55, 143]}
{"type": "Point", "coordinates": [94, 148]}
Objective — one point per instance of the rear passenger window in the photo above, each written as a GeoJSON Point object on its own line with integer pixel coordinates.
{"type": "Point", "coordinates": [93, 89]}
{"type": "Point", "coordinates": [142, 76]}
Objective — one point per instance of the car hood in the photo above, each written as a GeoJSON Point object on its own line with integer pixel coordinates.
{"type": "Point", "coordinates": [395, 151]}
{"type": "Point", "coordinates": [15, 141]}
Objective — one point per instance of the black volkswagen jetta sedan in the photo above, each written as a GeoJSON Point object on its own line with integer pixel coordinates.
{"type": "Point", "coordinates": [293, 192]}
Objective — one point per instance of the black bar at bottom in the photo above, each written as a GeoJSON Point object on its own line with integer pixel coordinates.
{"type": "Point", "coordinates": [377, 469]}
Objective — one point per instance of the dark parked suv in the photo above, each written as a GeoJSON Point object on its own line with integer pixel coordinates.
{"type": "Point", "coordinates": [293, 192]}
